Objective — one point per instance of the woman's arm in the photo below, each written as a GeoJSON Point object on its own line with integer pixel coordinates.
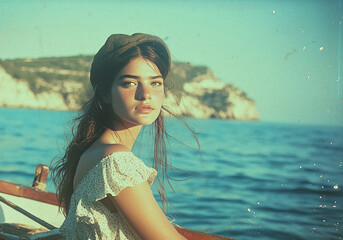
{"type": "Point", "coordinates": [140, 210]}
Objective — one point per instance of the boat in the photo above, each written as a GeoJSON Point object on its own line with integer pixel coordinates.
{"type": "Point", "coordinates": [32, 213]}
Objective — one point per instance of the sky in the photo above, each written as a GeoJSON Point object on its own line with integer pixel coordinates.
{"type": "Point", "coordinates": [286, 55]}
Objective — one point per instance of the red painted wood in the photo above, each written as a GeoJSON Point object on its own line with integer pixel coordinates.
{"type": "Point", "coordinates": [28, 192]}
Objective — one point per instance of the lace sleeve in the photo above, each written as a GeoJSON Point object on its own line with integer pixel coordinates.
{"type": "Point", "coordinates": [114, 173]}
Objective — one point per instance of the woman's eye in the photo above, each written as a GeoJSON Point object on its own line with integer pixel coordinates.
{"type": "Point", "coordinates": [128, 84]}
{"type": "Point", "coordinates": [157, 83]}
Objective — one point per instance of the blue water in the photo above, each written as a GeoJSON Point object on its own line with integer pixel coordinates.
{"type": "Point", "coordinates": [256, 180]}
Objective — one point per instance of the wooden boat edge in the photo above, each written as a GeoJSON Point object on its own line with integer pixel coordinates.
{"type": "Point", "coordinates": [39, 195]}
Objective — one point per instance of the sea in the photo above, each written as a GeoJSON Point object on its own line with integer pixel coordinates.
{"type": "Point", "coordinates": [249, 180]}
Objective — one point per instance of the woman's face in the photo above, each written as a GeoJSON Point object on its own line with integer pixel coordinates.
{"type": "Point", "coordinates": [137, 92]}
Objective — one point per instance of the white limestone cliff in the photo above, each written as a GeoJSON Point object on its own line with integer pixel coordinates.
{"type": "Point", "coordinates": [16, 93]}
{"type": "Point", "coordinates": [202, 95]}
{"type": "Point", "coordinates": [207, 97]}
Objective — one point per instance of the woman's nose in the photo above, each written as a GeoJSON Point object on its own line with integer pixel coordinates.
{"type": "Point", "coordinates": [143, 92]}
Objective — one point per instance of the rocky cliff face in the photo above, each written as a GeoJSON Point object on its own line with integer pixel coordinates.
{"type": "Point", "coordinates": [16, 93]}
{"type": "Point", "coordinates": [62, 84]}
{"type": "Point", "coordinates": [204, 96]}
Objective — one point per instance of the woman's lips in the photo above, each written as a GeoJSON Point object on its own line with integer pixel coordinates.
{"type": "Point", "coordinates": [144, 108]}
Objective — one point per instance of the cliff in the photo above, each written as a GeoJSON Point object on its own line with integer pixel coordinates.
{"type": "Point", "coordinates": [63, 84]}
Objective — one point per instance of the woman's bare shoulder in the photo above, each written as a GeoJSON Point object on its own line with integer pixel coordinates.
{"type": "Point", "coordinates": [94, 155]}
{"type": "Point", "coordinates": [112, 148]}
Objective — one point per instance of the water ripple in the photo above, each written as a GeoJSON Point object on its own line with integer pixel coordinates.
{"type": "Point", "coordinates": [257, 180]}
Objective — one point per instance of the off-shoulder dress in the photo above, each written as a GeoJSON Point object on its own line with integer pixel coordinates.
{"type": "Point", "coordinates": [88, 218]}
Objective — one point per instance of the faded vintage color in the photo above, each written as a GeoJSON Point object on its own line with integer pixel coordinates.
{"type": "Point", "coordinates": [44, 205]}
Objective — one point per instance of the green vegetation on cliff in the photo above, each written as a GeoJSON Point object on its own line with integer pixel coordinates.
{"type": "Point", "coordinates": [45, 74]}
{"type": "Point", "coordinates": [69, 76]}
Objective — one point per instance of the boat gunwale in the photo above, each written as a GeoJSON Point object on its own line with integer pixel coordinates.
{"type": "Point", "coordinates": [51, 198]}
{"type": "Point", "coordinates": [28, 192]}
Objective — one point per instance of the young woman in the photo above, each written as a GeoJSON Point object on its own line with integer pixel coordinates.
{"type": "Point", "coordinates": [103, 187]}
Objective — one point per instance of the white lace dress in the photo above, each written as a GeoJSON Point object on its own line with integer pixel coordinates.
{"type": "Point", "coordinates": [88, 218]}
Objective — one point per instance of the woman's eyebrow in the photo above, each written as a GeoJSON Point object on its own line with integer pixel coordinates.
{"type": "Point", "coordinates": [129, 76]}
{"type": "Point", "coordinates": [158, 76]}
{"type": "Point", "coordinates": [138, 77]}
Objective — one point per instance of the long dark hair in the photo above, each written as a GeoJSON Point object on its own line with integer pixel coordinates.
{"type": "Point", "coordinates": [97, 116]}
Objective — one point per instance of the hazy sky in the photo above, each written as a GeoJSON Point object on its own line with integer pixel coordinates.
{"type": "Point", "coordinates": [283, 54]}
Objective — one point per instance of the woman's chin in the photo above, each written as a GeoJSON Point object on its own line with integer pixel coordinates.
{"type": "Point", "coordinates": [141, 120]}
{"type": "Point", "coordinates": [145, 119]}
